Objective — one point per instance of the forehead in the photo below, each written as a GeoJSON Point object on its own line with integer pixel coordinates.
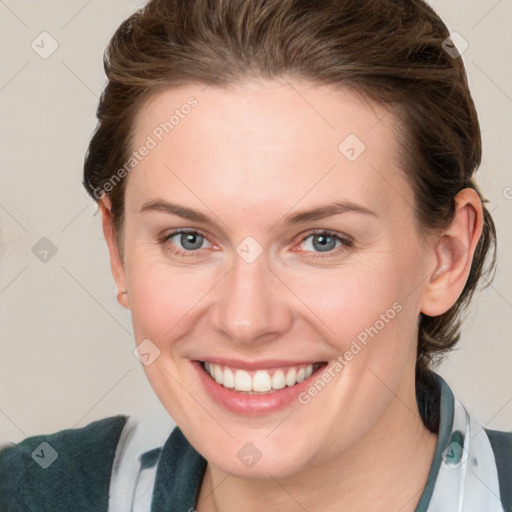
{"type": "Point", "coordinates": [263, 138]}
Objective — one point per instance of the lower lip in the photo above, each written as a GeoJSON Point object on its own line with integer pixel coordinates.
{"type": "Point", "coordinates": [252, 405]}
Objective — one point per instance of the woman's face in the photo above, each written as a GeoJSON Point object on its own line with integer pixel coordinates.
{"type": "Point", "coordinates": [256, 287]}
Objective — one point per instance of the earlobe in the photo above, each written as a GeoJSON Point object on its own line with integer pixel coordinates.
{"type": "Point", "coordinates": [453, 252]}
{"type": "Point", "coordinates": [116, 262]}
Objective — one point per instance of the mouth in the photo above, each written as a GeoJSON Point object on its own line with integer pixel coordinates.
{"type": "Point", "coordinates": [259, 381]}
{"type": "Point", "coordinates": [255, 389]}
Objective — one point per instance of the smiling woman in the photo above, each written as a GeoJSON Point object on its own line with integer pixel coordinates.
{"type": "Point", "coordinates": [296, 231]}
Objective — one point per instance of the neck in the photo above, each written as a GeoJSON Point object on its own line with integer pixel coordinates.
{"type": "Point", "coordinates": [387, 469]}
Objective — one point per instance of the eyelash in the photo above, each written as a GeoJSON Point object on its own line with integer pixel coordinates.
{"type": "Point", "coordinates": [346, 241]}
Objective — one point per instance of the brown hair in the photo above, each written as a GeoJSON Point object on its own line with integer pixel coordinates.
{"type": "Point", "coordinates": [390, 51]}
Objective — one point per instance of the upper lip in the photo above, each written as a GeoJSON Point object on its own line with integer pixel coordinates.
{"type": "Point", "coordinates": [258, 365]}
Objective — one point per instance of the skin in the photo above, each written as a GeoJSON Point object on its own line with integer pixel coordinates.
{"type": "Point", "coordinates": [247, 157]}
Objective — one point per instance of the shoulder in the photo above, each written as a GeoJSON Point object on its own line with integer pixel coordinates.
{"type": "Point", "coordinates": [62, 471]}
{"type": "Point", "coordinates": [501, 443]}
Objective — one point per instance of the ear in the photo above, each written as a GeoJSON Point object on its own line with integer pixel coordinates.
{"type": "Point", "coordinates": [116, 262]}
{"type": "Point", "coordinates": [453, 252]}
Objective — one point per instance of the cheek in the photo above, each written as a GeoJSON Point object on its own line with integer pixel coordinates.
{"type": "Point", "coordinates": [165, 305]}
{"type": "Point", "coordinates": [166, 299]}
{"type": "Point", "coordinates": [349, 302]}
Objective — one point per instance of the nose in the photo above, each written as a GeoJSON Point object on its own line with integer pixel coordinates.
{"type": "Point", "coordinates": [252, 305]}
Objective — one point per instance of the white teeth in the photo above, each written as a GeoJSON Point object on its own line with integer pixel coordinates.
{"type": "Point", "coordinates": [228, 378]}
{"type": "Point", "coordinates": [291, 377]}
{"type": "Point", "coordinates": [243, 381]}
{"type": "Point", "coordinates": [278, 381]}
{"type": "Point", "coordinates": [217, 374]}
{"type": "Point", "coordinates": [260, 381]}
{"type": "Point", "coordinates": [301, 374]}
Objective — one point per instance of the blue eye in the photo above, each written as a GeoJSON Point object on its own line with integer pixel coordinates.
{"type": "Point", "coordinates": [192, 241]}
{"type": "Point", "coordinates": [325, 242]}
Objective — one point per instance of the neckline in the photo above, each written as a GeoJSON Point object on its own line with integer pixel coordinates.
{"type": "Point", "coordinates": [446, 414]}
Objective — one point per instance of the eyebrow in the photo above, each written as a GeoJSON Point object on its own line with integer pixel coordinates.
{"type": "Point", "coordinates": [321, 212]}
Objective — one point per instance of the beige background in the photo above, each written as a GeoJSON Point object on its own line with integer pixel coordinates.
{"type": "Point", "coordinates": [66, 344]}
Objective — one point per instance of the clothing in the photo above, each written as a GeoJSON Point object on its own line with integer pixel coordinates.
{"type": "Point", "coordinates": [96, 468]}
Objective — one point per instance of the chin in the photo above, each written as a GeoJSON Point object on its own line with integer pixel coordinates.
{"type": "Point", "coordinates": [256, 456]}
